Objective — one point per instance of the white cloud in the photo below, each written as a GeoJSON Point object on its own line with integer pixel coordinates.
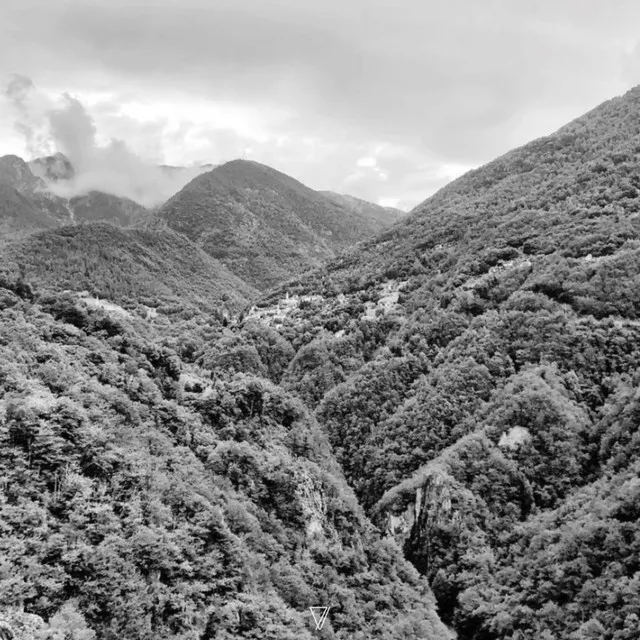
{"type": "Point", "coordinates": [247, 121]}
{"type": "Point", "coordinates": [451, 171]}
{"type": "Point", "coordinates": [366, 161]}
{"type": "Point", "coordinates": [66, 126]}
{"type": "Point", "coordinates": [388, 202]}
{"type": "Point", "coordinates": [354, 177]}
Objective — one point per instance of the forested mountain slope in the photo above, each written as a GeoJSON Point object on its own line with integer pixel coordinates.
{"type": "Point", "coordinates": [148, 491]}
{"type": "Point", "coordinates": [18, 215]}
{"type": "Point", "coordinates": [464, 386]}
{"type": "Point", "coordinates": [131, 267]}
{"type": "Point", "coordinates": [262, 224]}
{"type": "Point", "coordinates": [476, 369]}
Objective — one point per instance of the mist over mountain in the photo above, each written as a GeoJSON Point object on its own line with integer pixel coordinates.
{"type": "Point", "coordinates": [52, 168]}
{"type": "Point", "coordinates": [61, 137]}
{"type": "Point", "coordinates": [33, 182]}
{"type": "Point", "coordinates": [264, 225]}
{"type": "Point", "coordinates": [38, 208]}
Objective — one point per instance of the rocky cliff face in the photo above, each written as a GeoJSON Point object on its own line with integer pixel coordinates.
{"type": "Point", "coordinates": [431, 502]}
{"type": "Point", "coordinates": [401, 518]}
{"type": "Point", "coordinates": [314, 506]}
{"type": "Point", "coordinates": [38, 207]}
{"type": "Point", "coordinates": [16, 172]}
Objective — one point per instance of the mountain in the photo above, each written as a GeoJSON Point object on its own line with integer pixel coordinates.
{"type": "Point", "coordinates": [39, 208]}
{"type": "Point", "coordinates": [476, 369]}
{"type": "Point", "coordinates": [130, 267]}
{"type": "Point", "coordinates": [173, 170]}
{"type": "Point", "coordinates": [149, 490]}
{"type": "Point", "coordinates": [386, 216]}
{"type": "Point", "coordinates": [97, 206]}
{"type": "Point", "coordinates": [262, 224]}
{"type": "Point", "coordinates": [94, 206]}
{"type": "Point", "coordinates": [439, 429]}
{"type": "Point", "coordinates": [15, 172]}
{"type": "Point", "coordinates": [19, 215]}
{"type": "Point", "coordinates": [32, 181]}
{"type": "Point", "coordinates": [52, 168]}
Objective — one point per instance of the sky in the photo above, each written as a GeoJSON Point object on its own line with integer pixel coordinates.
{"type": "Point", "coordinates": [387, 100]}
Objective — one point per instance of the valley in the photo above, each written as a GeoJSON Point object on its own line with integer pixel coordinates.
{"type": "Point", "coordinates": [257, 398]}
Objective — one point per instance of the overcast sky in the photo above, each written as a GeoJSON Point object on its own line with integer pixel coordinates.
{"type": "Point", "coordinates": [384, 99]}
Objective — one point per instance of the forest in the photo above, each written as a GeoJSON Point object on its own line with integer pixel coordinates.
{"type": "Point", "coordinates": [436, 434]}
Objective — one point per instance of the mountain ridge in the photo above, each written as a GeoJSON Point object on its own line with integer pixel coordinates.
{"type": "Point", "coordinates": [436, 433]}
{"type": "Point", "coordinates": [32, 180]}
{"type": "Point", "coordinates": [464, 363]}
{"type": "Point", "coordinates": [384, 215]}
{"type": "Point", "coordinates": [161, 269]}
{"type": "Point", "coordinates": [264, 225]}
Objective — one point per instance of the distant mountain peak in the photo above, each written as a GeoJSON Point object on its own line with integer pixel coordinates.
{"type": "Point", "coordinates": [385, 215]}
{"type": "Point", "coordinates": [52, 168]}
{"type": "Point", "coordinates": [34, 182]}
{"type": "Point", "coordinates": [263, 224]}
{"type": "Point", "coordinates": [16, 172]}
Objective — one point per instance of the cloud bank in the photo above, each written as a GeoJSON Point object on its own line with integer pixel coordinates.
{"type": "Point", "coordinates": [65, 126]}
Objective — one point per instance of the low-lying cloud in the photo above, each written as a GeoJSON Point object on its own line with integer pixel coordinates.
{"type": "Point", "coordinates": [65, 126]}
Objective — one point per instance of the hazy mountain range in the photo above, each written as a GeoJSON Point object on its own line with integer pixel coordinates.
{"type": "Point", "coordinates": [33, 181]}
{"type": "Point", "coordinates": [430, 427]}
